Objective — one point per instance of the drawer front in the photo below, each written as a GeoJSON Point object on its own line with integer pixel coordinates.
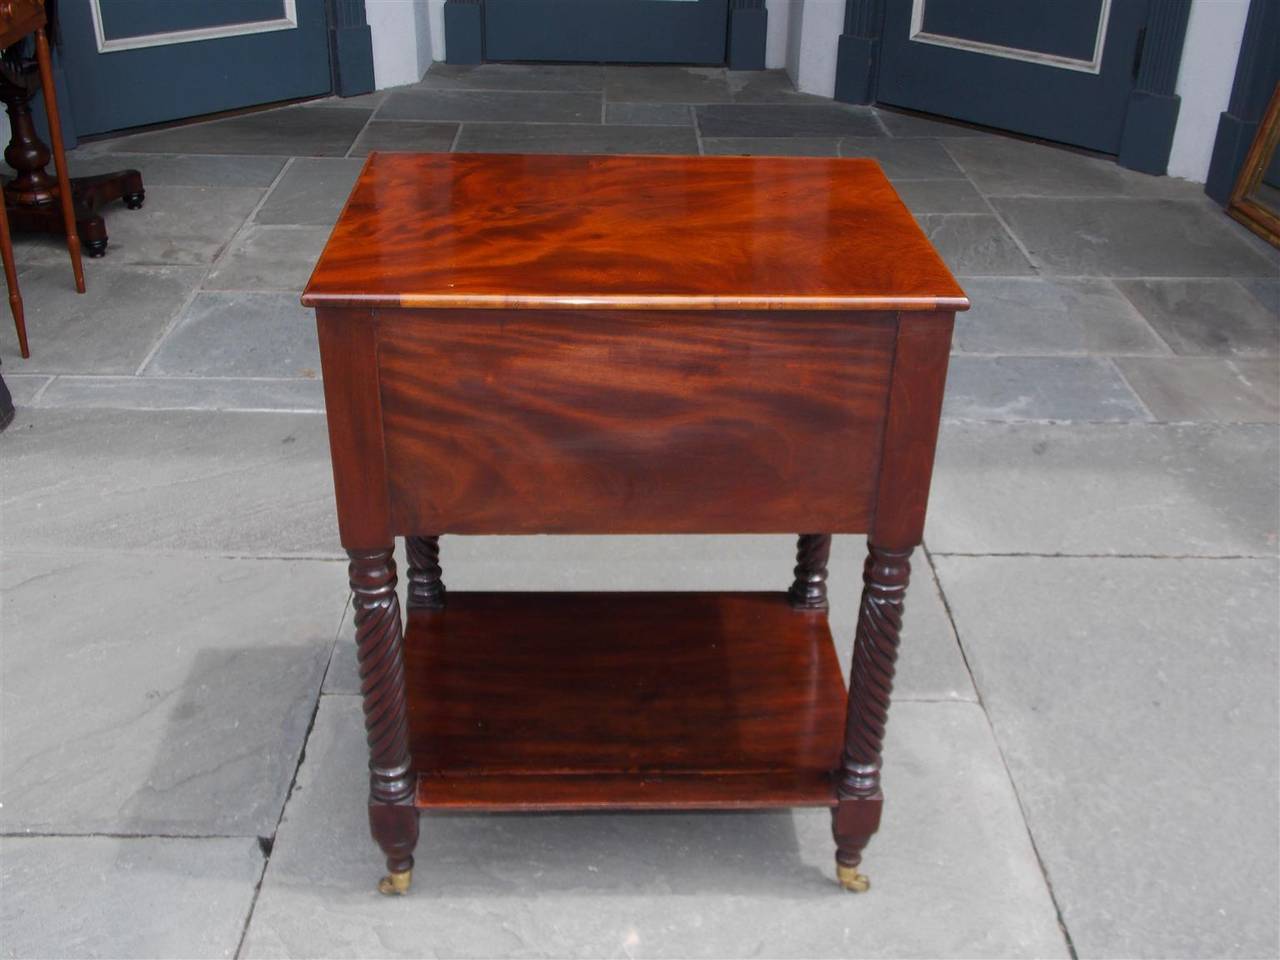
{"type": "Point", "coordinates": [530, 422]}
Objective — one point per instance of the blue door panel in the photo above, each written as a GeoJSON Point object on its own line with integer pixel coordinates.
{"type": "Point", "coordinates": [116, 89]}
{"type": "Point", "coordinates": [1072, 106]}
{"type": "Point", "coordinates": [1066, 28]}
{"type": "Point", "coordinates": [136, 18]}
{"type": "Point", "coordinates": [615, 31]}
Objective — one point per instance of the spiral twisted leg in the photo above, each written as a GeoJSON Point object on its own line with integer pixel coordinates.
{"type": "Point", "coordinates": [426, 588]}
{"type": "Point", "coordinates": [809, 591]}
{"type": "Point", "coordinates": [393, 819]}
{"type": "Point", "coordinates": [875, 652]}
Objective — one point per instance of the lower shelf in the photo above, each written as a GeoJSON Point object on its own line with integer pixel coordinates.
{"type": "Point", "coordinates": [572, 701]}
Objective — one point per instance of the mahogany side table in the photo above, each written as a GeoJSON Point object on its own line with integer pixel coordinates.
{"type": "Point", "coordinates": [546, 344]}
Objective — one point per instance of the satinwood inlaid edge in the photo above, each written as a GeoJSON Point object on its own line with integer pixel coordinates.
{"type": "Point", "coordinates": [860, 304]}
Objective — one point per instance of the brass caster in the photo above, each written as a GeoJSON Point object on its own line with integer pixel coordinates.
{"type": "Point", "coordinates": [395, 884]}
{"type": "Point", "coordinates": [851, 879]}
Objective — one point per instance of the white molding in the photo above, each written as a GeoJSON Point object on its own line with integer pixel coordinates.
{"type": "Point", "coordinates": [1093, 65]}
{"type": "Point", "coordinates": [288, 22]}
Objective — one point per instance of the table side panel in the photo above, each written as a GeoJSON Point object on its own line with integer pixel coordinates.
{"type": "Point", "coordinates": [349, 361]}
{"type": "Point", "coordinates": [600, 422]}
{"type": "Point", "coordinates": [921, 354]}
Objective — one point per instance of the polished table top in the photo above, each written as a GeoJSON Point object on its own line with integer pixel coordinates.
{"type": "Point", "coordinates": [628, 232]}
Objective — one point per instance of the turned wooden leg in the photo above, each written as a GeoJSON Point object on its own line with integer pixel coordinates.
{"type": "Point", "coordinates": [875, 651]}
{"type": "Point", "coordinates": [393, 818]}
{"type": "Point", "coordinates": [426, 588]}
{"type": "Point", "coordinates": [65, 200]}
{"type": "Point", "coordinates": [11, 279]}
{"type": "Point", "coordinates": [809, 590]}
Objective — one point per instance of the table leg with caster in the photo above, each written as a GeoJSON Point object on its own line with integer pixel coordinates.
{"type": "Point", "coordinates": [875, 652]}
{"type": "Point", "coordinates": [393, 818]}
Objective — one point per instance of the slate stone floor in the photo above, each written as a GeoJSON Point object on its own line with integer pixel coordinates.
{"type": "Point", "coordinates": [1082, 757]}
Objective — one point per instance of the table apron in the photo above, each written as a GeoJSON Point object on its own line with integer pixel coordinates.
{"type": "Point", "coordinates": [599, 422]}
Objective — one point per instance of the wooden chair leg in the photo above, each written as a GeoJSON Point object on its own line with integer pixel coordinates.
{"type": "Point", "coordinates": [59, 157]}
{"type": "Point", "coordinates": [11, 278]}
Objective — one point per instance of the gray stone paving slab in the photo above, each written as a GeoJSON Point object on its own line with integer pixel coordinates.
{"type": "Point", "coordinates": [1039, 388]}
{"type": "Point", "coordinates": [315, 131]}
{"type": "Point", "coordinates": [575, 138]}
{"type": "Point", "coordinates": [953, 873]}
{"type": "Point", "coordinates": [766, 86]}
{"type": "Point", "coordinates": [904, 159]}
{"type": "Point", "coordinates": [116, 897]}
{"type": "Point", "coordinates": [524, 106]}
{"type": "Point", "coordinates": [158, 695]}
{"type": "Point", "coordinates": [185, 393]}
{"type": "Point", "coordinates": [240, 334]}
{"type": "Point", "coordinates": [1206, 317]}
{"type": "Point", "coordinates": [108, 329]}
{"type": "Point", "coordinates": [178, 225]}
{"type": "Point", "coordinates": [1123, 237]}
{"type": "Point", "coordinates": [975, 245]}
{"type": "Point", "coordinates": [663, 84]}
{"type": "Point", "coordinates": [930, 666]}
{"type": "Point", "coordinates": [363, 101]}
{"type": "Point", "coordinates": [245, 484]}
{"type": "Point", "coordinates": [23, 387]}
{"type": "Point", "coordinates": [172, 170]}
{"type": "Point", "coordinates": [1264, 375]}
{"type": "Point", "coordinates": [1202, 490]}
{"type": "Point", "coordinates": [1134, 701]}
{"type": "Point", "coordinates": [268, 258]}
{"type": "Point", "coordinates": [907, 125]}
{"type": "Point", "coordinates": [771, 146]}
{"type": "Point", "coordinates": [404, 136]}
{"type": "Point", "coordinates": [1266, 291]}
{"type": "Point", "coordinates": [652, 114]}
{"type": "Point", "coordinates": [1199, 388]}
{"type": "Point", "coordinates": [940, 196]}
{"type": "Point", "coordinates": [786, 120]}
{"type": "Point", "coordinates": [513, 76]}
{"type": "Point", "coordinates": [1013, 315]}
{"type": "Point", "coordinates": [1005, 166]}
{"type": "Point", "coordinates": [312, 192]}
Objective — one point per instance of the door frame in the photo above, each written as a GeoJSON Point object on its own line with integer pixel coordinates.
{"type": "Point", "coordinates": [744, 43]}
{"type": "Point", "coordinates": [1152, 112]}
{"type": "Point", "coordinates": [1257, 73]}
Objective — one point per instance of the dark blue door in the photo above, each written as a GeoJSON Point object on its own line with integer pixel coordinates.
{"type": "Point", "coordinates": [1058, 69]}
{"type": "Point", "coordinates": [617, 31]}
{"type": "Point", "coordinates": [134, 62]}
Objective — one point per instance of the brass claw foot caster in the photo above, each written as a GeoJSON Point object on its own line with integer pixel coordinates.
{"type": "Point", "coordinates": [395, 884]}
{"type": "Point", "coordinates": [851, 879]}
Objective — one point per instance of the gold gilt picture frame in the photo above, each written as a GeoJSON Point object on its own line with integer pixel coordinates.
{"type": "Point", "coordinates": [1255, 201]}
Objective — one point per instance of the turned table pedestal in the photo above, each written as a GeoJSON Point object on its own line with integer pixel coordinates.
{"type": "Point", "coordinates": [595, 345]}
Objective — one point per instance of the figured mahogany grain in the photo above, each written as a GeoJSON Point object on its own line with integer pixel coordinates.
{"type": "Point", "coordinates": [642, 700]}
{"type": "Point", "coordinates": [599, 422]}
{"type": "Point", "coordinates": [628, 233]}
